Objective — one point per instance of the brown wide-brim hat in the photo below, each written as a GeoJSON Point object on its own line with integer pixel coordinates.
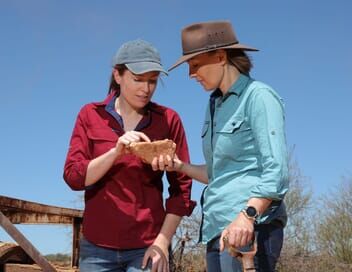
{"type": "Point", "coordinates": [208, 36]}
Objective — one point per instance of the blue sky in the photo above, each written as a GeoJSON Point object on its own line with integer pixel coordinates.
{"type": "Point", "coordinates": [55, 56]}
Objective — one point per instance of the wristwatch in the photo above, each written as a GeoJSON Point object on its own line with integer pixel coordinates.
{"type": "Point", "coordinates": [250, 212]}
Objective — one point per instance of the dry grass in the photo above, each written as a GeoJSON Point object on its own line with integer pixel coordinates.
{"type": "Point", "coordinates": [311, 264]}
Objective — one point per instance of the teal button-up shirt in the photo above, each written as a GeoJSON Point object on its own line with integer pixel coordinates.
{"type": "Point", "coordinates": [245, 151]}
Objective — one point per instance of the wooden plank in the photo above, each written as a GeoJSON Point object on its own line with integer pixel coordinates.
{"type": "Point", "coordinates": [21, 268]}
{"type": "Point", "coordinates": [31, 268]}
{"type": "Point", "coordinates": [36, 218]}
{"type": "Point", "coordinates": [13, 204]}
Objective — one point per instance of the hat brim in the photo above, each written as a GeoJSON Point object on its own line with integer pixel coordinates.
{"type": "Point", "coordinates": [187, 57]}
{"type": "Point", "coordinates": [145, 67]}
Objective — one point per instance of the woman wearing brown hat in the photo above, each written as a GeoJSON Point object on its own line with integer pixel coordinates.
{"type": "Point", "coordinates": [244, 147]}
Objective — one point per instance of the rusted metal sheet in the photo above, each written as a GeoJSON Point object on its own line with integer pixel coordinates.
{"type": "Point", "coordinates": [13, 253]}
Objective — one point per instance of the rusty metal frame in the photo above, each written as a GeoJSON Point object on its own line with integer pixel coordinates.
{"type": "Point", "coordinates": [17, 211]}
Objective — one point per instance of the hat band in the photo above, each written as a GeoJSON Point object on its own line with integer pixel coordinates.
{"type": "Point", "coordinates": [208, 47]}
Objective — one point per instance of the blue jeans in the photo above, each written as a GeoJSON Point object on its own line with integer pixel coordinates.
{"type": "Point", "coordinates": [94, 258]}
{"type": "Point", "coordinates": [269, 242]}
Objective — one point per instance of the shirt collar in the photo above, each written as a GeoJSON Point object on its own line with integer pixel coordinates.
{"type": "Point", "coordinates": [110, 99]}
{"type": "Point", "coordinates": [239, 85]}
{"type": "Point", "coordinates": [216, 94]}
{"type": "Point", "coordinates": [109, 104]}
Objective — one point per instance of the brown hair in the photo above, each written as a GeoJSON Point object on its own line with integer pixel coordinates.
{"type": "Point", "coordinates": [240, 60]}
{"type": "Point", "coordinates": [114, 86]}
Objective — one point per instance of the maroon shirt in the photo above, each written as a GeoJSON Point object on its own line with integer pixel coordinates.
{"type": "Point", "coordinates": [124, 209]}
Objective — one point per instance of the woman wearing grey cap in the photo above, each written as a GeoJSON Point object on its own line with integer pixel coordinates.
{"type": "Point", "coordinates": [125, 224]}
{"type": "Point", "coordinates": [244, 147]}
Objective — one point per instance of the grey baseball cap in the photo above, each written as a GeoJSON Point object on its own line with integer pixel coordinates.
{"type": "Point", "coordinates": [139, 56]}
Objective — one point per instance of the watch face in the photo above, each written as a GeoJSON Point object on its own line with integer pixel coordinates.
{"type": "Point", "coordinates": [251, 211]}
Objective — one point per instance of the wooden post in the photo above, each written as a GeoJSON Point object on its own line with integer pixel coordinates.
{"type": "Point", "coordinates": [76, 235]}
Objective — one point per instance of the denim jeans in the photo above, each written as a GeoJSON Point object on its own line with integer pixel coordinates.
{"type": "Point", "coordinates": [94, 258]}
{"type": "Point", "coordinates": [269, 242]}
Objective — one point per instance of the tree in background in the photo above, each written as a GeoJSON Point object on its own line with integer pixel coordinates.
{"type": "Point", "coordinates": [306, 242]}
{"type": "Point", "coordinates": [187, 253]}
{"type": "Point", "coordinates": [298, 200]}
{"type": "Point", "coordinates": [334, 229]}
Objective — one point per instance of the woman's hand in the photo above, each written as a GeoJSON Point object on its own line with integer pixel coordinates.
{"type": "Point", "coordinates": [159, 256]}
{"type": "Point", "coordinates": [128, 138]}
{"type": "Point", "coordinates": [168, 163]}
{"type": "Point", "coordinates": [198, 172]}
{"type": "Point", "coordinates": [99, 166]}
{"type": "Point", "coordinates": [239, 233]}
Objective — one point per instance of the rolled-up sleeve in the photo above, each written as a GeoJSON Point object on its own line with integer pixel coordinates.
{"type": "Point", "coordinates": [77, 159]}
{"type": "Point", "coordinates": [266, 115]}
{"type": "Point", "coordinates": [179, 201]}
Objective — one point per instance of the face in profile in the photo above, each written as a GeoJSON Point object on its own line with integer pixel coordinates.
{"type": "Point", "coordinates": [207, 69]}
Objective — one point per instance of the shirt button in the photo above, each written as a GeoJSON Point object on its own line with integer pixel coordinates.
{"type": "Point", "coordinates": [273, 132]}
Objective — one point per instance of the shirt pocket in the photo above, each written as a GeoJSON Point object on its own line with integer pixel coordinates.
{"type": "Point", "coordinates": [231, 127]}
{"type": "Point", "coordinates": [234, 138]}
{"type": "Point", "coordinates": [101, 140]}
